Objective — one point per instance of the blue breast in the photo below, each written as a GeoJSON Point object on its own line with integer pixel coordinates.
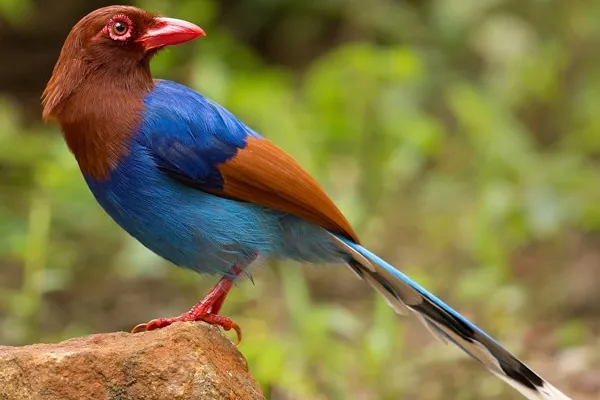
{"type": "Point", "coordinates": [183, 224]}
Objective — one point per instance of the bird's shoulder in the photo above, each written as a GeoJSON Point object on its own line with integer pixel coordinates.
{"type": "Point", "coordinates": [188, 134]}
{"type": "Point", "coordinates": [173, 108]}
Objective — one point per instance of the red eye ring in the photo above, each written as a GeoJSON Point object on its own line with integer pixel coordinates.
{"type": "Point", "coordinates": [119, 28]}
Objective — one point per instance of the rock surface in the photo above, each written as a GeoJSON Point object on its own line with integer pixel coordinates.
{"type": "Point", "coordinates": [184, 361]}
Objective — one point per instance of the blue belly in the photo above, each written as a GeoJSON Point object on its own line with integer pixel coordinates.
{"type": "Point", "coordinates": [198, 230]}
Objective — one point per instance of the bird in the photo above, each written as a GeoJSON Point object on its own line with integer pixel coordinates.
{"type": "Point", "coordinates": [198, 187]}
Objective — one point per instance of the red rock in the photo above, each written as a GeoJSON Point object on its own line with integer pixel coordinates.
{"type": "Point", "coordinates": [183, 361]}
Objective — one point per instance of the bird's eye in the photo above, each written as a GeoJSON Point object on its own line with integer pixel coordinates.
{"type": "Point", "coordinates": [119, 28]}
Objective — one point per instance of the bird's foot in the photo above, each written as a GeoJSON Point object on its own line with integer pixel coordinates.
{"type": "Point", "coordinates": [206, 310]}
{"type": "Point", "coordinates": [214, 319]}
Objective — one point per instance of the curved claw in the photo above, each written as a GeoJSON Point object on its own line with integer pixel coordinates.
{"type": "Point", "coordinates": [238, 331]}
{"type": "Point", "coordinates": [224, 322]}
{"type": "Point", "coordinates": [140, 328]}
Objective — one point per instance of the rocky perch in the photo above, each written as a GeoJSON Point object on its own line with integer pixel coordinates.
{"type": "Point", "coordinates": [184, 361]}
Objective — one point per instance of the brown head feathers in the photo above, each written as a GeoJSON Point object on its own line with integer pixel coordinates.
{"type": "Point", "coordinates": [101, 77]}
{"type": "Point", "coordinates": [90, 50]}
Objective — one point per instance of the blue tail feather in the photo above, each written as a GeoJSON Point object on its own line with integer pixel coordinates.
{"type": "Point", "coordinates": [404, 294]}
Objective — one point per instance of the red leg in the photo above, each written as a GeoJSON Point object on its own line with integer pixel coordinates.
{"type": "Point", "coordinates": [205, 310]}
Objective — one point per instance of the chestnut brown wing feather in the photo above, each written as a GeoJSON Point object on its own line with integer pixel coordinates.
{"type": "Point", "coordinates": [263, 174]}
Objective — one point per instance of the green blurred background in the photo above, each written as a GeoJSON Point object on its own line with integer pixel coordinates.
{"type": "Point", "coordinates": [460, 137]}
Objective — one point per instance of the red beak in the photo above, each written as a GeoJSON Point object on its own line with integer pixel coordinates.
{"type": "Point", "coordinates": [169, 31]}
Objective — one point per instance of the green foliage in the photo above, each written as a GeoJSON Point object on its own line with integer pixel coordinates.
{"type": "Point", "coordinates": [459, 137]}
{"type": "Point", "coordinates": [15, 11]}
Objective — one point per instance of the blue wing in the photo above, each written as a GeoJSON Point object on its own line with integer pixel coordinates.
{"type": "Point", "coordinates": [190, 135]}
{"type": "Point", "coordinates": [197, 142]}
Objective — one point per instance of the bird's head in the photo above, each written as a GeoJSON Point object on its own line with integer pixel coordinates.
{"type": "Point", "coordinates": [112, 44]}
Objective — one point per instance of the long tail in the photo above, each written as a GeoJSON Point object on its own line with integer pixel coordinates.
{"type": "Point", "coordinates": [406, 296]}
